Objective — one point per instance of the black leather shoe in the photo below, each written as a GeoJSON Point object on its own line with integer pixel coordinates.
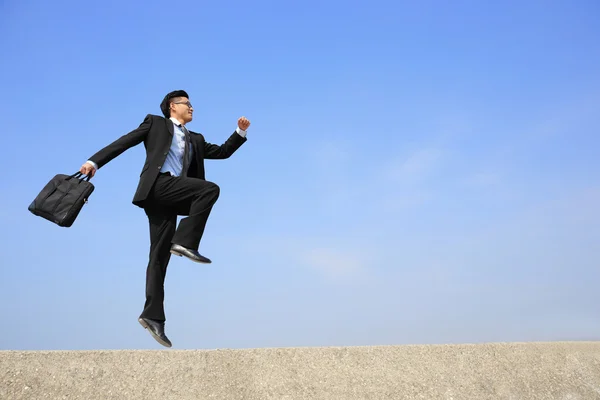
{"type": "Point", "coordinates": [156, 329]}
{"type": "Point", "coordinates": [193, 255]}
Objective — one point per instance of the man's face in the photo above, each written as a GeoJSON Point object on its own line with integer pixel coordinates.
{"type": "Point", "coordinates": [182, 109]}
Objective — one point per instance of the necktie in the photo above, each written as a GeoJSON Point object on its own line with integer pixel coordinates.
{"type": "Point", "coordinates": [186, 151]}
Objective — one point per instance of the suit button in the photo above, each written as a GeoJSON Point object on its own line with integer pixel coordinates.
{"type": "Point", "coordinates": [160, 166]}
{"type": "Point", "coordinates": [164, 154]}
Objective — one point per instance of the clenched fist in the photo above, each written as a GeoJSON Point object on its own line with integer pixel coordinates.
{"type": "Point", "coordinates": [243, 123]}
{"type": "Point", "coordinates": [87, 169]}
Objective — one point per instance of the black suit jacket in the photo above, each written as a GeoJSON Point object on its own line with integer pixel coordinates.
{"type": "Point", "coordinates": [157, 134]}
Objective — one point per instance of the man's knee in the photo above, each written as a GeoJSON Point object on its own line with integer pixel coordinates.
{"type": "Point", "coordinates": [212, 190]}
{"type": "Point", "coordinates": [215, 190]}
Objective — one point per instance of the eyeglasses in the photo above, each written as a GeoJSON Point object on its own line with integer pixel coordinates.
{"type": "Point", "coordinates": [187, 103]}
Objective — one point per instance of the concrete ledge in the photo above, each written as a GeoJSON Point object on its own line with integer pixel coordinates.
{"type": "Point", "coordinates": [557, 370]}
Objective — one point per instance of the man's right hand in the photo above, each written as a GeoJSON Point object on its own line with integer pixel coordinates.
{"type": "Point", "coordinates": [87, 169]}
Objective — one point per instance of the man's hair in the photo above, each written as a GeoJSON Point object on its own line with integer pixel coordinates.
{"type": "Point", "coordinates": [164, 106]}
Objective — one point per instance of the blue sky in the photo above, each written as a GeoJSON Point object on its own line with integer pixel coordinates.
{"type": "Point", "coordinates": [416, 172]}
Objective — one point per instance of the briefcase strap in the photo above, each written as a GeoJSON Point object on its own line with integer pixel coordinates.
{"type": "Point", "coordinates": [77, 175]}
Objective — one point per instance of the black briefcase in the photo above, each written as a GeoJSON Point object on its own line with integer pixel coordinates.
{"type": "Point", "coordinates": [61, 200]}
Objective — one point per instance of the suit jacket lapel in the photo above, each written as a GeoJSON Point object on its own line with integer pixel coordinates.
{"type": "Point", "coordinates": [169, 126]}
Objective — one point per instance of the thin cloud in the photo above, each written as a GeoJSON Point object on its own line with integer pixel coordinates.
{"type": "Point", "coordinates": [414, 168]}
{"type": "Point", "coordinates": [337, 265]}
{"type": "Point", "coordinates": [394, 183]}
{"type": "Point", "coordinates": [566, 118]}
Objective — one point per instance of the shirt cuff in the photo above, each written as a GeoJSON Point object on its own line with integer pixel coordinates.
{"type": "Point", "coordinates": [93, 164]}
{"type": "Point", "coordinates": [240, 132]}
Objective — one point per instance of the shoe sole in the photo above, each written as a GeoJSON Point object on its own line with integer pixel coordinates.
{"type": "Point", "coordinates": [158, 339]}
{"type": "Point", "coordinates": [176, 253]}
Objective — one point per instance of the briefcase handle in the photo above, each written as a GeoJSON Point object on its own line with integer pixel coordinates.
{"type": "Point", "coordinates": [77, 175]}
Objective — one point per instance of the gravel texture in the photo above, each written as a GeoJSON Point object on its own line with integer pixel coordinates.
{"type": "Point", "coordinates": [516, 371]}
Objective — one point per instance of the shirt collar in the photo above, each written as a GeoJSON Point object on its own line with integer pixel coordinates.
{"type": "Point", "coordinates": [177, 123]}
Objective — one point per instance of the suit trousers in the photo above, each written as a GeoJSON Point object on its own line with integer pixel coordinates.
{"type": "Point", "coordinates": [172, 196]}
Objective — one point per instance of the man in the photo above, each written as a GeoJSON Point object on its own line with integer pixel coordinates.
{"type": "Point", "coordinates": [172, 183]}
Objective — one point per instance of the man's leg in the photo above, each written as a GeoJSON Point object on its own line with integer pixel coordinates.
{"type": "Point", "coordinates": [162, 228]}
{"type": "Point", "coordinates": [191, 197]}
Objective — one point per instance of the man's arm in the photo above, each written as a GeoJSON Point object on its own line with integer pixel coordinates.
{"type": "Point", "coordinates": [117, 147]}
{"type": "Point", "coordinates": [216, 152]}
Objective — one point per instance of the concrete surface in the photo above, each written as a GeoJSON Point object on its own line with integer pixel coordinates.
{"type": "Point", "coordinates": [558, 370]}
